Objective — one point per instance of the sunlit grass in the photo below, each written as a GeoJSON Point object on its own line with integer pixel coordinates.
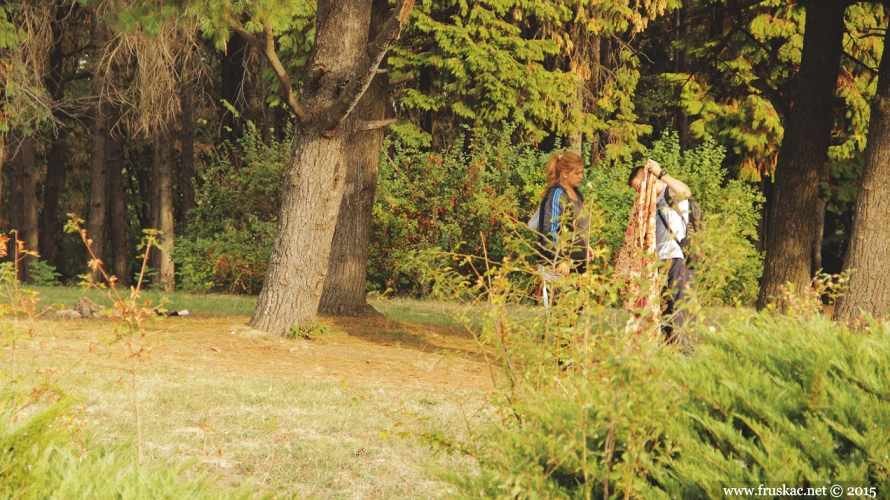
{"type": "Point", "coordinates": [213, 396]}
{"type": "Point", "coordinates": [208, 304]}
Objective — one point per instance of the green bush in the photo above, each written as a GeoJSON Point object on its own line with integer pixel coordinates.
{"type": "Point", "coordinates": [731, 210]}
{"type": "Point", "coordinates": [238, 193]}
{"type": "Point", "coordinates": [40, 460]}
{"type": "Point", "coordinates": [455, 201]}
{"type": "Point", "coordinates": [588, 407]}
{"type": "Point", "coordinates": [783, 399]}
{"type": "Point", "coordinates": [43, 274]}
{"type": "Point", "coordinates": [451, 201]}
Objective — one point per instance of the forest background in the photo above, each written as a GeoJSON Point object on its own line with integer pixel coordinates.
{"type": "Point", "coordinates": [182, 117]}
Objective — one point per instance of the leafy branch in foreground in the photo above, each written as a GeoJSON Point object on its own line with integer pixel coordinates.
{"type": "Point", "coordinates": [130, 314]}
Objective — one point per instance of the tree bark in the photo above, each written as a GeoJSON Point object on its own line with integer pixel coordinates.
{"type": "Point", "coordinates": [681, 65]}
{"type": "Point", "coordinates": [23, 200]}
{"type": "Point", "coordinates": [56, 158]}
{"type": "Point", "coordinates": [576, 136]}
{"type": "Point", "coordinates": [162, 209]}
{"type": "Point", "coordinates": [98, 134]}
{"type": "Point", "coordinates": [344, 65]}
{"type": "Point", "coordinates": [818, 233]}
{"type": "Point", "coordinates": [232, 74]}
{"type": "Point", "coordinates": [869, 286]}
{"type": "Point", "coordinates": [117, 210]}
{"type": "Point", "coordinates": [804, 154]}
{"type": "Point", "coordinates": [344, 292]}
{"type": "Point", "coordinates": [187, 158]}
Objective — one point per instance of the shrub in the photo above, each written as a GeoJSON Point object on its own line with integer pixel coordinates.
{"type": "Point", "coordinates": [43, 274]}
{"type": "Point", "coordinates": [783, 399]}
{"type": "Point", "coordinates": [450, 201]}
{"type": "Point", "coordinates": [455, 202]}
{"type": "Point", "coordinates": [39, 459]}
{"type": "Point", "coordinates": [238, 193]}
{"type": "Point", "coordinates": [587, 404]}
{"type": "Point", "coordinates": [731, 210]}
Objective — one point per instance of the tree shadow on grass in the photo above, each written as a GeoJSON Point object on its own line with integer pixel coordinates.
{"type": "Point", "coordinates": [424, 337]}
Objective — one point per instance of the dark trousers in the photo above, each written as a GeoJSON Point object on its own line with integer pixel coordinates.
{"type": "Point", "coordinates": [676, 315]}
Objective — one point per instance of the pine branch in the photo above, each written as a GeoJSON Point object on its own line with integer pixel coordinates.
{"type": "Point", "coordinates": [375, 124]}
{"type": "Point", "coordinates": [367, 68]}
{"type": "Point", "coordinates": [772, 95]}
{"type": "Point", "coordinates": [266, 46]}
{"type": "Point", "coordinates": [400, 80]}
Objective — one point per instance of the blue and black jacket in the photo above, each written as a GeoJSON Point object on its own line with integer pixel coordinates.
{"type": "Point", "coordinates": [553, 207]}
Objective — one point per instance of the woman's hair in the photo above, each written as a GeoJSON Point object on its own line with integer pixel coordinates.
{"type": "Point", "coordinates": [559, 162]}
{"type": "Point", "coordinates": [633, 175]}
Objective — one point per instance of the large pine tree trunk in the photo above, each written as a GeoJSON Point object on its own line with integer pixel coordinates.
{"type": "Point", "coordinates": [869, 286]}
{"type": "Point", "coordinates": [232, 74]}
{"type": "Point", "coordinates": [681, 65]}
{"type": "Point", "coordinates": [98, 134]}
{"type": "Point", "coordinates": [187, 158]}
{"type": "Point", "coordinates": [343, 65]}
{"type": "Point", "coordinates": [23, 199]}
{"type": "Point", "coordinates": [344, 291]}
{"type": "Point", "coordinates": [117, 210]}
{"type": "Point", "coordinates": [804, 154]}
{"type": "Point", "coordinates": [56, 158]}
{"type": "Point", "coordinates": [162, 209]}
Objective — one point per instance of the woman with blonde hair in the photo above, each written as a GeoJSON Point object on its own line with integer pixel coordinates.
{"type": "Point", "coordinates": [563, 226]}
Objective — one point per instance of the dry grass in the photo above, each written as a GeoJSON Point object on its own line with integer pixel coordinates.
{"type": "Point", "coordinates": [294, 417]}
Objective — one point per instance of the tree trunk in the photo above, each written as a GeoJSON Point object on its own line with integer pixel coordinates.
{"type": "Point", "coordinates": [98, 134]}
{"type": "Point", "coordinates": [597, 140]}
{"type": "Point", "coordinates": [344, 291]}
{"type": "Point", "coordinates": [804, 153]}
{"type": "Point", "coordinates": [23, 199]}
{"type": "Point", "coordinates": [232, 74]}
{"type": "Point", "coordinates": [187, 158]}
{"type": "Point", "coordinates": [576, 136]}
{"type": "Point", "coordinates": [818, 233]}
{"type": "Point", "coordinates": [56, 158]}
{"type": "Point", "coordinates": [681, 65]}
{"type": "Point", "coordinates": [869, 286]}
{"type": "Point", "coordinates": [117, 209]}
{"type": "Point", "coordinates": [142, 181]}
{"type": "Point", "coordinates": [162, 209]}
{"type": "Point", "coordinates": [343, 65]}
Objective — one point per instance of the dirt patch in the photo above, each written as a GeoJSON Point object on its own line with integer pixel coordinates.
{"type": "Point", "coordinates": [359, 351]}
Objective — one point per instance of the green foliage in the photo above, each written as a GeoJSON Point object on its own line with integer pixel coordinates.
{"type": "Point", "coordinates": [10, 34]}
{"type": "Point", "coordinates": [532, 64]}
{"type": "Point", "coordinates": [732, 211]}
{"type": "Point", "coordinates": [43, 274]}
{"type": "Point", "coordinates": [587, 407]}
{"type": "Point", "coordinates": [778, 399]}
{"type": "Point", "coordinates": [450, 201]}
{"type": "Point", "coordinates": [238, 194]}
{"type": "Point", "coordinates": [44, 454]}
{"type": "Point", "coordinates": [290, 23]}
{"type": "Point", "coordinates": [491, 73]}
{"type": "Point", "coordinates": [310, 331]}
{"type": "Point", "coordinates": [455, 202]}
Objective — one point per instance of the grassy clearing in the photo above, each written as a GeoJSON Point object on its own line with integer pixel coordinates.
{"type": "Point", "coordinates": [298, 418]}
{"type": "Point", "coordinates": [207, 304]}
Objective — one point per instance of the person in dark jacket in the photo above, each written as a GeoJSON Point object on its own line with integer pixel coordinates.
{"type": "Point", "coordinates": [564, 226]}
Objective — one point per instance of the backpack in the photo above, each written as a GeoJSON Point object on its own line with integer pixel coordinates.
{"type": "Point", "coordinates": [536, 223]}
{"type": "Point", "coordinates": [696, 217]}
